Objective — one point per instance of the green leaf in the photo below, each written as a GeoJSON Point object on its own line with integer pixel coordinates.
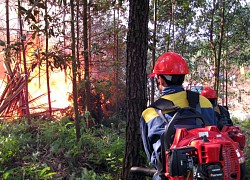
{"type": "Point", "coordinates": [44, 171]}
{"type": "Point", "coordinates": [36, 12]}
{"type": "Point", "coordinates": [33, 17]}
{"type": "Point", "coordinates": [49, 175]}
{"type": "Point", "coordinates": [2, 43]}
{"type": "Point", "coordinates": [22, 9]}
{"type": "Point", "coordinates": [41, 5]}
{"type": "Point", "coordinates": [34, 35]}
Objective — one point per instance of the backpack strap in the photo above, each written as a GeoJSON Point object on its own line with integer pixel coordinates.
{"type": "Point", "coordinates": [194, 102]}
{"type": "Point", "coordinates": [159, 106]}
{"type": "Point", "coordinates": [217, 109]}
{"type": "Point", "coordinates": [163, 104]}
{"type": "Point", "coordinates": [224, 117]}
{"type": "Point", "coordinates": [223, 110]}
{"type": "Point", "coordinates": [193, 99]}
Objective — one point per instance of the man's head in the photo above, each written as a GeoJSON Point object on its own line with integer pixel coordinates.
{"type": "Point", "coordinates": [210, 94]}
{"type": "Point", "coordinates": [170, 69]}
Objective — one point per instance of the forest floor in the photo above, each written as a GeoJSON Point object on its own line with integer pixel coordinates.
{"type": "Point", "coordinates": [239, 99]}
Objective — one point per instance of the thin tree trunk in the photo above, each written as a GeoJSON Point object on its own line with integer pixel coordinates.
{"type": "Point", "coordinates": [74, 71]}
{"type": "Point", "coordinates": [77, 42]}
{"type": "Point", "coordinates": [226, 85]}
{"type": "Point", "coordinates": [7, 61]}
{"type": "Point", "coordinates": [173, 18]}
{"type": "Point", "coordinates": [116, 64]}
{"type": "Point", "coordinates": [26, 90]}
{"type": "Point", "coordinates": [7, 22]}
{"type": "Point", "coordinates": [152, 97]}
{"type": "Point", "coordinates": [223, 81]}
{"type": "Point", "coordinates": [38, 43]}
{"type": "Point", "coordinates": [220, 43]}
{"type": "Point", "coordinates": [169, 32]}
{"type": "Point", "coordinates": [86, 61]}
{"type": "Point", "coordinates": [213, 46]}
{"type": "Point", "coordinates": [116, 58]}
{"type": "Point", "coordinates": [113, 56]}
{"type": "Point", "coordinates": [47, 59]}
{"type": "Point", "coordinates": [117, 61]}
{"type": "Point", "coordinates": [89, 35]}
{"type": "Point", "coordinates": [64, 41]}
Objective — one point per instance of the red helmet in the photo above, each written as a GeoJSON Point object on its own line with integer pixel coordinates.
{"type": "Point", "coordinates": [171, 63]}
{"type": "Point", "coordinates": [209, 93]}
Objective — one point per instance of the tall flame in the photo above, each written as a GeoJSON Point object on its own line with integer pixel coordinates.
{"type": "Point", "coordinates": [60, 88]}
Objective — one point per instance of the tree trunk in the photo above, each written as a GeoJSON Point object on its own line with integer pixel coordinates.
{"type": "Point", "coordinates": [152, 97]}
{"type": "Point", "coordinates": [89, 23]}
{"type": "Point", "coordinates": [26, 91]}
{"type": "Point", "coordinates": [172, 20]}
{"type": "Point", "coordinates": [136, 80]}
{"type": "Point", "coordinates": [226, 83]}
{"type": "Point", "coordinates": [78, 42]}
{"type": "Point", "coordinates": [47, 60]}
{"type": "Point", "coordinates": [7, 61]}
{"type": "Point", "coordinates": [220, 43]}
{"type": "Point", "coordinates": [86, 61]}
{"type": "Point", "coordinates": [74, 71]}
{"type": "Point", "coordinates": [115, 58]}
{"type": "Point", "coordinates": [213, 45]}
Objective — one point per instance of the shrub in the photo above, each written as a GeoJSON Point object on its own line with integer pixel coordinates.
{"type": "Point", "coordinates": [245, 127]}
{"type": "Point", "coordinates": [49, 150]}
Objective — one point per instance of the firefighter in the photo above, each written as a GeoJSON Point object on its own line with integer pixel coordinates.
{"type": "Point", "coordinates": [221, 112]}
{"type": "Point", "coordinates": [169, 72]}
{"type": "Point", "coordinates": [210, 94]}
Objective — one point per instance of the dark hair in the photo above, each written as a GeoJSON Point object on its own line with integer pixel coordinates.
{"type": "Point", "coordinates": [175, 80]}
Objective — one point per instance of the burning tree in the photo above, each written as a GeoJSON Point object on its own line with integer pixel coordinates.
{"type": "Point", "coordinates": [12, 97]}
{"type": "Point", "coordinates": [46, 42]}
{"type": "Point", "coordinates": [22, 62]}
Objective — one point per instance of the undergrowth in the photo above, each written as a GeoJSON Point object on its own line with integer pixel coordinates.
{"type": "Point", "coordinates": [245, 127]}
{"type": "Point", "coordinates": [49, 150]}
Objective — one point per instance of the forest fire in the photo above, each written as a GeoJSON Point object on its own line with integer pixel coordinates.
{"type": "Point", "coordinates": [60, 88]}
{"type": "Point", "coordinates": [12, 101]}
{"type": "Point", "coordinates": [11, 104]}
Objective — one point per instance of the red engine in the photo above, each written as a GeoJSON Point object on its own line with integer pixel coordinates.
{"type": "Point", "coordinates": [236, 135]}
{"type": "Point", "coordinates": [206, 153]}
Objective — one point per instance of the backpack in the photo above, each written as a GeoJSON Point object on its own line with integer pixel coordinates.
{"type": "Point", "coordinates": [188, 117]}
{"type": "Point", "coordinates": [223, 117]}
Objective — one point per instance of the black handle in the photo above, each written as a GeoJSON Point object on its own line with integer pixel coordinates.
{"type": "Point", "coordinates": [143, 171]}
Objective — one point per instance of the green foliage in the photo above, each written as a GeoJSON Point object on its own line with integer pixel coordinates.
{"type": "Point", "coordinates": [12, 142]}
{"type": "Point", "coordinates": [248, 75]}
{"type": "Point", "coordinates": [246, 123]}
{"type": "Point", "coordinates": [245, 127]}
{"type": "Point", "coordinates": [2, 43]}
{"type": "Point", "coordinates": [49, 150]}
{"type": "Point", "coordinates": [32, 171]}
{"type": "Point", "coordinates": [91, 175]}
{"type": "Point", "coordinates": [16, 140]}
